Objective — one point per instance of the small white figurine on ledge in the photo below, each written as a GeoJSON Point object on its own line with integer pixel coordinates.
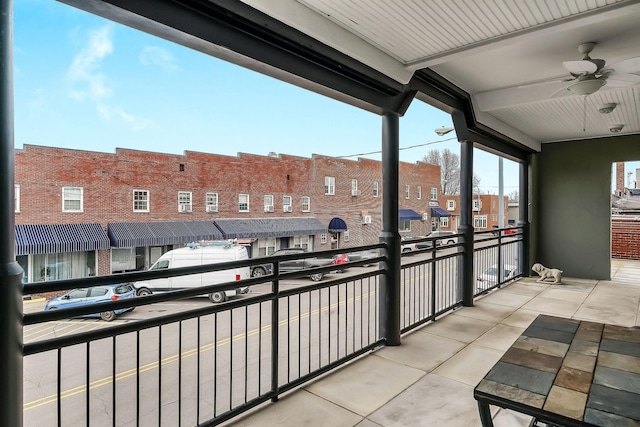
{"type": "Point", "coordinates": [547, 273]}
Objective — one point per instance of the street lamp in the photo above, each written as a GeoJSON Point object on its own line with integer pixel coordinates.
{"type": "Point", "coordinates": [443, 130]}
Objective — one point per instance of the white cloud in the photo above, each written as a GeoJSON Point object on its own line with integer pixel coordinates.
{"type": "Point", "coordinates": [110, 113]}
{"type": "Point", "coordinates": [153, 55]}
{"type": "Point", "coordinates": [85, 72]}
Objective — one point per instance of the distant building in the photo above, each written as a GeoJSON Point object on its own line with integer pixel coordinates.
{"type": "Point", "coordinates": [82, 213]}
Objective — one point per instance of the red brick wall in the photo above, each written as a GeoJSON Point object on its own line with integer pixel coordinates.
{"type": "Point", "coordinates": [625, 239]}
{"type": "Point", "coordinates": [108, 181]}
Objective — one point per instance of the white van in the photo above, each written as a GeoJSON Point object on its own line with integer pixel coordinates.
{"type": "Point", "coordinates": [195, 254]}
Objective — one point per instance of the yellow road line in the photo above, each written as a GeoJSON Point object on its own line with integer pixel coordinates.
{"type": "Point", "coordinates": [184, 355]}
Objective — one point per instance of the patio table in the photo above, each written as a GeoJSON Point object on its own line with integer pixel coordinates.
{"type": "Point", "coordinates": [567, 372]}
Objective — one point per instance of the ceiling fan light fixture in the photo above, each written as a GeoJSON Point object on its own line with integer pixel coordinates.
{"type": "Point", "coordinates": [607, 108]}
{"type": "Point", "coordinates": [616, 128]}
{"type": "Point", "coordinates": [586, 86]}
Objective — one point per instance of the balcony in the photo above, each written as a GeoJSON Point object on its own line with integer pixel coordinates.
{"type": "Point", "coordinates": [429, 379]}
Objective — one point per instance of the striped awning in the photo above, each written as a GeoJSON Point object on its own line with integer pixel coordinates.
{"type": "Point", "coordinates": [58, 238]}
{"type": "Point", "coordinates": [269, 227]}
{"type": "Point", "coordinates": [135, 234]}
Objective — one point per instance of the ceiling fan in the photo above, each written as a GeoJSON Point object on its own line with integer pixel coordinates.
{"type": "Point", "coordinates": [589, 75]}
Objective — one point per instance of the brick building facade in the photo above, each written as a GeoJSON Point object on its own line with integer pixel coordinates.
{"type": "Point", "coordinates": [81, 213]}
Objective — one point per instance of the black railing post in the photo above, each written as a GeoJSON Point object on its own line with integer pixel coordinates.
{"type": "Point", "coordinates": [389, 297]}
{"type": "Point", "coordinates": [466, 224]}
{"type": "Point", "coordinates": [275, 326]}
{"type": "Point", "coordinates": [10, 270]}
{"type": "Point", "coordinates": [523, 214]}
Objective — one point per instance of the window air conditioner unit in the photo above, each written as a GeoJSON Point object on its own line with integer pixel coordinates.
{"type": "Point", "coordinates": [211, 208]}
{"type": "Point", "coordinates": [355, 192]}
{"type": "Point", "coordinates": [287, 208]}
{"type": "Point", "coordinates": [425, 216]}
{"type": "Point", "coordinates": [366, 219]}
{"type": "Point", "coordinates": [184, 208]}
{"type": "Point", "coordinates": [268, 208]}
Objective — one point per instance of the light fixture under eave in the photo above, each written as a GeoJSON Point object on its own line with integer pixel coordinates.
{"type": "Point", "coordinates": [616, 128]}
{"type": "Point", "coordinates": [607, 108]}
{"type": "Point", "coordinates": [586, 86]}
{"type": "Point", "coordinates": [443, 130]}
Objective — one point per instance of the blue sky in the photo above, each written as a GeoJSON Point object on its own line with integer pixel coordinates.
{"type": "Point", "coordinates": [86, 83]}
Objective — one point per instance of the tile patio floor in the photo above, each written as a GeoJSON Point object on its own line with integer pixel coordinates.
{"type": "Point", "coordinates": [429, 379]}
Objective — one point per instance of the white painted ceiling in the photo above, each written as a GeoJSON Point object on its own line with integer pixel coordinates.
{"type": "Point", "coordinates": [507, 54]}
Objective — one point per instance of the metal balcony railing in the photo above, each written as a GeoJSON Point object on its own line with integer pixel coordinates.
{"type": "Point", "coordinates": [207, 364]}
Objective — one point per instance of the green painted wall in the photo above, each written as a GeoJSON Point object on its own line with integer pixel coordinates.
{"type": "Point", "coordinates": [571, 213]}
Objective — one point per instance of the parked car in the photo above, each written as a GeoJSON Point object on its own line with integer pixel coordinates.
{"type": "Point", "coordinates": [339, 260]}
{"type": "Point", "coordinates": [443, 238]}
{"type": "Point", "coordinates": [292, 265]}
{"type": "Point", "coordinates": [363, 255]}
{"type": "Point", "coordinates": [490, 276]}
{"type": "Point", "coordinates": [505, 232]}
{"type": "Point", "coordinates": [409, 244]}
{"type": "Point", "coordinates": [94, 296]}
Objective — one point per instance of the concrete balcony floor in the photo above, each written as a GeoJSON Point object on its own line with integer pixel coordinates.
{"type": "Point", "coordinates": [429, 379]}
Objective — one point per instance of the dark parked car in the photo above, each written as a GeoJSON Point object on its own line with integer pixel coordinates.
{"type": "Point", "coordinates": [292, 265]}
{"type": "Point", "coordinates": [95, 296]}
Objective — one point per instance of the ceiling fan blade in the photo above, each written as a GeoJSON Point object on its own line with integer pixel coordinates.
{"type": "Point", "coordinates": [622, 80]}
{"type": "Point", "coordinates": [580, 67]}
{"type": "Point", "coordinates": [631, 65]}
{"type": "Point", "coordinates": [560, 93]}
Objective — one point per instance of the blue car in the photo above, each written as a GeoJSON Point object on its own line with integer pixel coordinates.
{"type": "Point", "coordinates": [95, 295]}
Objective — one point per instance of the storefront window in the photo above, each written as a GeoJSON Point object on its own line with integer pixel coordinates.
{"type": "Point", "coordinates": [70, 265]}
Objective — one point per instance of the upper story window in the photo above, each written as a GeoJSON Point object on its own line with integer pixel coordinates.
{"type": "Point", "coordinates": [184, 201]}
{"type": "Point", "coordinates": [354, 187]}
{"type": "Point", "coordinates": [407, 191]}
{"type": "Point", "coordinates": [287, 205]}
{"type": "Point", "coordinates": [329, 185]}
{"type": "Point", "coordinates": [243, 202]}
{"type": "Point", "coordinates": [451, 205]}
{"type": "Point", "coordinates": [141, 200]}
{"type": "Point", "coordinates": [306, 204]}
{"type": "Point", "coordinates": [268, 203]}
{"type": "Point", "coordinates": [419, 192]}
{"type": "Point", "coordinates": [211, 202]}
{"type": "Point", "coordinates": [72, 199]}
{"type": "Point", "coordinates": [434, 193]}
{"type": "Point", "coordinates": [16, 198]}
{"type": "Point", "coordinates": [375, 189]}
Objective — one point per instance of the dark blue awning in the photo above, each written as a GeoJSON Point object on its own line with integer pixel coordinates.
{"type": "Point", "coordinates": [269, 227]}
{"type": "Point", "coordinates": [439, 212]}
{"type": "Point", "coordinates": [59, 238]}
{"type": "Point", "coordinates": [134, 234]}
{"type": "Point", "coordinates": [337, 224]}
{"type": "Point", "coordinates": [408, 215]}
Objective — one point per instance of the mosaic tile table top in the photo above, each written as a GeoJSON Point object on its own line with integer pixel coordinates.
{"type": "Point", "coordinates": [568, 372]}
